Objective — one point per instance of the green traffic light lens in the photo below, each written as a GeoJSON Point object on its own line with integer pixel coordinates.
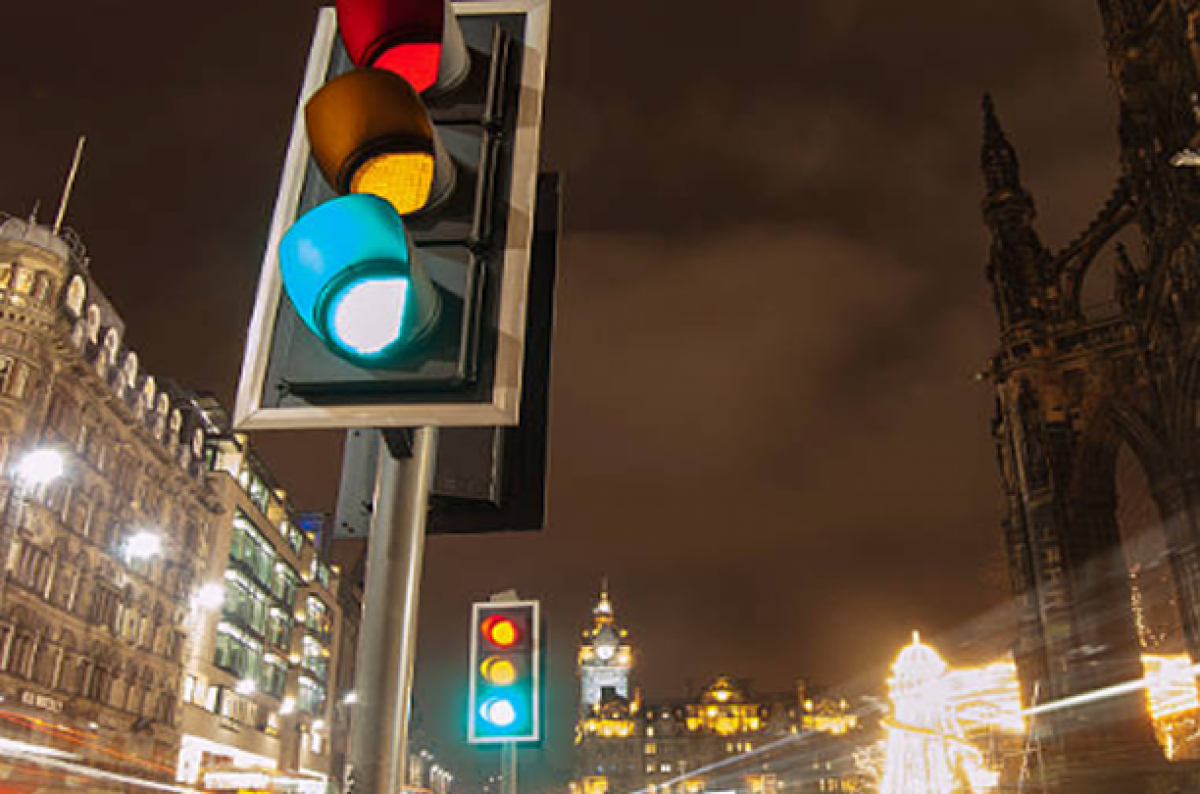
{"type": "Point", "coordinates": [367, 317]}
{"type": "Point", "coordinates": [347, 267]}
{"type": "Point", "coordinates": [499, 712]}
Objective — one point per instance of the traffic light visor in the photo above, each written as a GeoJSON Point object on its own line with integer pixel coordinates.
{"type": "Point", "coordinates": [370, 133]}
{"type": "Point", "coordinates": [417, 39]}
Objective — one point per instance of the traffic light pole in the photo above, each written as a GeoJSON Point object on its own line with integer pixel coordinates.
{"type": "Point", "coordinates": [509, 768]}
{"type": "Point", "coordinates": [387, 646]}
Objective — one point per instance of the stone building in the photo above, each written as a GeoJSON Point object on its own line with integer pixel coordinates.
{"type": "Point", "coordinates": [724, 738]}
{"type": "Point", "coordinates": [101, 562]}
{"type": "Point", "coordinates": [1096, 395]}
{"type": "Point", "coordinates": [162, 616]}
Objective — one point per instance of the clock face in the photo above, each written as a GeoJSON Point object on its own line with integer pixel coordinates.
{"type": "Point", "coordinates": [605, 651]}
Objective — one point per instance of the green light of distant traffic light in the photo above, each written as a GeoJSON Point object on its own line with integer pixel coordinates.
{"type": "Point", "coordinates": [499, 712]}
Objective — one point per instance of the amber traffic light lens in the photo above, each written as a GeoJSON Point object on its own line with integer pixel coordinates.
{"type": "Point", "coordinates": [501, 631]}
{"type": "Point", "coordinates": [500, 672]}
{"type": "Point", "coordinates": [404, 180]}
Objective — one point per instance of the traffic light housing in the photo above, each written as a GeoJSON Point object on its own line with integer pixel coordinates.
{"type": "Point", "coordinates": [506, 675]}
{"type": "Point", "coordinates": [442, 340]}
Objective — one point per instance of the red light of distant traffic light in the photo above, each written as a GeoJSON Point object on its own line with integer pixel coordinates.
{"type": "Point", "coordinates": [501, 631]}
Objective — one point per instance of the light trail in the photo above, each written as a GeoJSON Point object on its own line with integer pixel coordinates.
{"type": "Point", "coordinates": [1098, 694]}
{"type": "Point", "coordinates": [37, 755]}
{"type": "Point", "coordinates": [725, 762]}
{"type": "Point", "coordinates": [78, 737]}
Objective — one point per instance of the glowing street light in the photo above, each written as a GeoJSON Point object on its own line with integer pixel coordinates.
{"type": "Point", "coordinates": [143, 546]}
{"type": "Point", "coordinates": [41, 467]}
{"type": "Point", "coordinates": [210, 596]}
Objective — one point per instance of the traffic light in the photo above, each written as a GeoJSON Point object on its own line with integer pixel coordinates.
{"type": "Point", "coordinates": [394, 285]}
{"type": "Point", "coordinates": [506, 677]}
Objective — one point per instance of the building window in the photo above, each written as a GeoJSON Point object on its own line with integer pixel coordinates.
{"type": "Point", "coordinates": [237, 652]}
{"type": "Point", "coordinates": [319, 619]}
{"type": "Point", "coordinates": [274, 676]}
{"type": "Point", "coordinates": [285, 584]}
{"type": "Point", "coordinates": [651, 748]}
{"type": "Point", "coordinates": [33, 567]}
{"type": "Point", "coordinates": [189, 688]}
{"type": "Point", "coordinates": [315, 658]}
{"type": "Point", "coordinates": [245, 603]}
{"type": "Point", "coordinates": [250, 551]}
{"type": "Point", "coordinates": [312, 696]}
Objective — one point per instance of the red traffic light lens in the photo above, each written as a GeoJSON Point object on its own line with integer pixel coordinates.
{"type": "Point", "coordinates": [501, 631]}
{"type": "Point", "coordinates": [417, 63]}
{"type": "Point", "coordinates": [407, 33]}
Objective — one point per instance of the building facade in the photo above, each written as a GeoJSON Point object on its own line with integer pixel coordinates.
{"type": "Point", "coordinates": [162, 616]}
{"type": "Point", "coordinates": [725, 738]}
{"type": "Point", "coordinates": [1097, 365]}
{"type": "Point", "coordinates": [260, 704]}
{"type": "Point", "coordinates": [100, 558]}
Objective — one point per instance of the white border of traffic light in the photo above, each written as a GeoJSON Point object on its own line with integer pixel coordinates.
{"type": "Point", "coordinates": [504, 408]}
{"type": "Point", "coordinates": [535, 622]}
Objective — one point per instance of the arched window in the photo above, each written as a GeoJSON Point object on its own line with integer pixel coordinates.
{"type": "Point", "coordinates": [129, 370]}
{"type": "Point", "coordinates": [21, 656]}
{"type": "Point", "coordinates": [42, 286]}
{"type": "Point", "coordinates": [76, 295]}
{"type": "Point", "coordinates": [92, 325]}
{"type": "Point", "coordinates": [46, 662]}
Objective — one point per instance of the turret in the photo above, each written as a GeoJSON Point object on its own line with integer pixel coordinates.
{"type": "Point", "coordinates": [1019, 264]}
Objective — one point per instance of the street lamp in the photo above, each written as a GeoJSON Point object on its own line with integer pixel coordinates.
{"type": "Point", "coordinates": [143, 545]}
{"type": "Point", "coordinates": [210, 596]}
{"type": "Point", "coordinates": [40, 467]}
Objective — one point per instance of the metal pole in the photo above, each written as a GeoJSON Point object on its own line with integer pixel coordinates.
{"type": "Point", "coordinates": [388, 637]}
{"type": "Point", "coordinates": [509, 768]}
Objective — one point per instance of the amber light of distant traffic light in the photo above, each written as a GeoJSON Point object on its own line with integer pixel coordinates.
{"type": "Point", "coordinates": [500, 672]}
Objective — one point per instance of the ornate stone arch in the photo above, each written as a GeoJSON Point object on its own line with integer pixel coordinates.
{"type": "Point", "coordinates": [1116, 423]}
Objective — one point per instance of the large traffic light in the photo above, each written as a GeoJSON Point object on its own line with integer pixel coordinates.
{"type": "Point", "coordinates": [394, 285]}
{"type": "Point", "coordinates": [506, 676]}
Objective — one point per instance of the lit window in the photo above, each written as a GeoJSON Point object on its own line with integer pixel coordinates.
{"type": "Point", "coordinates": [664, 767]}
{"type": "Point", "coordinates": [189, 688]}
{"type": "Point", "coordinates": [650, 731]}
{"type": "Point", "coordinates": [651, 748]}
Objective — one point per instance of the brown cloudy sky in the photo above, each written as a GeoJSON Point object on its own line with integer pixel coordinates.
{"type": "Point", "coordinates": [771, 302]}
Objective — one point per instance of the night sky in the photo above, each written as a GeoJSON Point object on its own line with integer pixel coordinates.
{"type": "Point", "coordinates": [765, 429]}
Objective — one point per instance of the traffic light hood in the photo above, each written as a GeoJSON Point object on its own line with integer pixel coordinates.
{"type": "Point", "coordinates": [368, 124]}
{"type": "Point", "coordinates": [417, 39]}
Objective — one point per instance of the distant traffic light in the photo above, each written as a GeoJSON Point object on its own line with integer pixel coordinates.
{"type": "Point", "coordinates": [394, 288]}
{"type": "Point", "coordinates": [506, 677]}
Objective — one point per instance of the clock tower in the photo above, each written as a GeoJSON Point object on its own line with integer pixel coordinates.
{"type": "Point", "coordinates": [605, 658]}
